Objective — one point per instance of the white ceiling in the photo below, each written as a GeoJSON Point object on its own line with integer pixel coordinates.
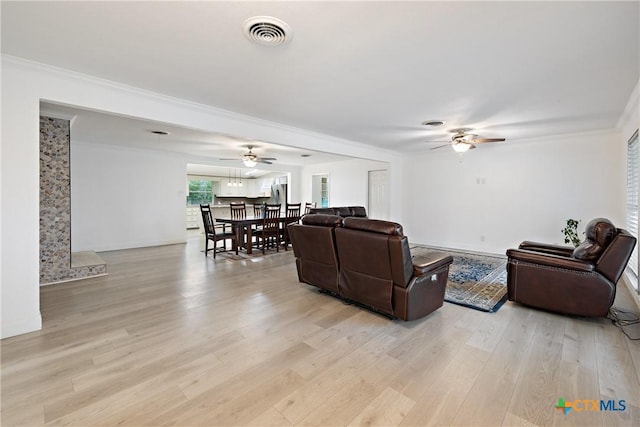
{"type": "Point", "coordinates": [195, 146]}
{"type": "Point", "coordinates": [366, 71]}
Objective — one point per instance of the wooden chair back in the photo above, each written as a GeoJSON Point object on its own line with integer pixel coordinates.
{"type": "Point", "coordinates": [207, 220]}
{"type": "Point", "coordinates": [293, 210]}
{"type": "Point", "coordinates": [270, 230]}
{"type": "Point", "coordinates": [238, 211]}
{"type": "Point", "coordinates": [308, 206]}
{"type": "Point", "coordinates": [257, 211]}
{"type": "Point", "coordinates": [271, 220]}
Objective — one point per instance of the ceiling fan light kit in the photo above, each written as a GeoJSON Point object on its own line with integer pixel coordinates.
{"type": "Point", "coordinates": [461, 147]}
{"type": "Point", "coordinates": [462, 141]}
{"type": "Point", "coordinates": [250, 160]}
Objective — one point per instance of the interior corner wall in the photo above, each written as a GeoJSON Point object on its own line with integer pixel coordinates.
{"type": "Point", "coordinates": [124, 198]}
{"type": "Point", "coordinates": [20, 240]}
{"type": "Point", "coordinates": [630, 121]}
{"type": "Point", "coordinates": [492, 198]}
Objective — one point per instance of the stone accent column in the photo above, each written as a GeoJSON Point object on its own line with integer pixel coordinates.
{"type": "Point", "coordinates": [55, 205]}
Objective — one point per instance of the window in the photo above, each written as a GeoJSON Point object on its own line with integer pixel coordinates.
{"type": "Point", "coordinates": [200, 191]}
{"type": "Point", "coordinates": [633, 158]}
{"type": "Point", "coordinates": [324, 193]}
{"type": "Point", "coordinates": [320, 190]}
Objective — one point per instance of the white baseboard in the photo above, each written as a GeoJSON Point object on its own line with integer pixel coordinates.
{"type": "Point", "coordinates": [136, 245]}
{"type": "Point", "coordinates": [74, 279]}
{"type": "Point", "coordinates": [11, 329]}
{"type": "Point", "coordinates": [634, 294]}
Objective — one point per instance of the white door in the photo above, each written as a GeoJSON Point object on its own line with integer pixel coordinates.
{"type": "Point", "coordinates": [378, 194]}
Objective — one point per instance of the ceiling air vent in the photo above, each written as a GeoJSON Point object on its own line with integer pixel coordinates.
{"type": "Point", "coordinates": [267, 31]}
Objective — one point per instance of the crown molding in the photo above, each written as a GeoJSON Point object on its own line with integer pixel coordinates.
{"type": "Point", "coordinates": [195, 106]}
{"type": "Point", "coordinates": [632, 105]}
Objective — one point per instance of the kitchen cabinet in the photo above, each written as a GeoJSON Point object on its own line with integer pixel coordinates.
{"type": "Point", "coordinates": [193, 217]}
{"type": "Point", "coordinates": [250, 188]}
{"type": "Point", "coordinates": [235, 189]}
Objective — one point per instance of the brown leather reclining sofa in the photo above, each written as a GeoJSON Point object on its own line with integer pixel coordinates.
{"type": "Point", "coordinates": [577, 281]}
{"type": "Point", "coordinates": [343, 211]}
{"type": "Point", "coordinates": [369, 262]}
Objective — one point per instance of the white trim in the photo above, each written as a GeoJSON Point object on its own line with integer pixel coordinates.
{"type": "Point", "coordinates": [634, 294]}
{"type": "Point", "coordinates": [203, 108]}
{"type": "Point", "coordinates": [22, 326]}
{"type": "Point", "coordinates": [632, 104]}
{"type": "Point", "coordinates": [75, 279]}
{"type": "Point", "coordinates": [137, 245]}
{"type": "Point", "coordinates": [554, 137]}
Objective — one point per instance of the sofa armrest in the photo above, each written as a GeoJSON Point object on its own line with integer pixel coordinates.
{"type": "Point", "coordinates": [430, 262]}
{"type": "Point", "coordinates": [550, 260]}
{"type": "Point", "coordinates": [546, 248]}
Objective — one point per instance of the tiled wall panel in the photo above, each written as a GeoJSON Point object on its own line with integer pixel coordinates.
{"type": "Point", "coordinates": [55, 205]}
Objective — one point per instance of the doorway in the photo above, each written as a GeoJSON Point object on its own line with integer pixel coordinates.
{"type": "Point", "coordinates": [378, 194]}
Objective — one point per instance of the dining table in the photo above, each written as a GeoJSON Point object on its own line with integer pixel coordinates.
{"type": "Point", "coordinates": [244, 227]}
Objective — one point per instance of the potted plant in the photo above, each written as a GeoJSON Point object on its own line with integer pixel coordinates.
{"type": "Point", "coordinates": [570, 232]}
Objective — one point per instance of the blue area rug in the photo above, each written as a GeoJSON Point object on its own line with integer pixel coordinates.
{"type": "Point", "coordinates": [475, 281]}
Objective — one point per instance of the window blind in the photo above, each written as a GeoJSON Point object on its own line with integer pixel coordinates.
{"type": "Point", "coordinates": [633, 158]}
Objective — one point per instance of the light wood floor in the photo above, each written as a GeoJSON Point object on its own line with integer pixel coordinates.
{"type": "Point", "coordinates": [170, 337]}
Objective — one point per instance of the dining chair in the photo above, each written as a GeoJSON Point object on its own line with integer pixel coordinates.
{"type": "Point", "coordinates": [270, 232]}
{"type": "Point", "coordinates": [258, 211]}
{"type": "Point", "coordinates": [238, 211]}
{"type": "Point", "coordinates": [292, 215]}
{"type": "Point", "coordinates": [215, 233]}
{"type": "Point", "coordinates": [308, 206]}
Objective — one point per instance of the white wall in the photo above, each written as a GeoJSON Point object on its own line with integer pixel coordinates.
{"type": "Point", "coordinates": [24, 85]}
{"type": "Point", "coordinates": [348, 182]}
{"type": "Point", "coordinates": [20, 233]}
{"type": "Point", "coordinates": [498, 195]}
{"type": "Point", "coordinates": [124, 198]}
{"type": "Point", "coordinates": [293, 186]}
{"type": "Point", "coordinates": [630, 120]}
{"type": "Point", "coordinates": [627, 125]}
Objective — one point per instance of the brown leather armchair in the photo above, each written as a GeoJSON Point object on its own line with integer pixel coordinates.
{"type": "Point", "coordinates": [376, 269]}
{"type": "Point", "coordinates": [580, 281]}
{"type": "Point", "coordinates": [314, 247]}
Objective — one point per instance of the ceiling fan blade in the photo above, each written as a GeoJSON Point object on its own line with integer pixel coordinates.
{"type": "Point", "coordinates": [440, 146]}
{"type": "Point", "coordinates": [482, 140]}
{"type": "Point", "coordinates": [228, 159]}
{"type": "Point", "coordinates": [267, 158]}
{"type": "Point", "coordinates": [264, 161]}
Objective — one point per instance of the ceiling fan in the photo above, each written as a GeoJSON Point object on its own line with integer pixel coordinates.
{"type": "Point", "coordinates": [462, 140]}
{"type": "Point", "coordinates": [251, 160]}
